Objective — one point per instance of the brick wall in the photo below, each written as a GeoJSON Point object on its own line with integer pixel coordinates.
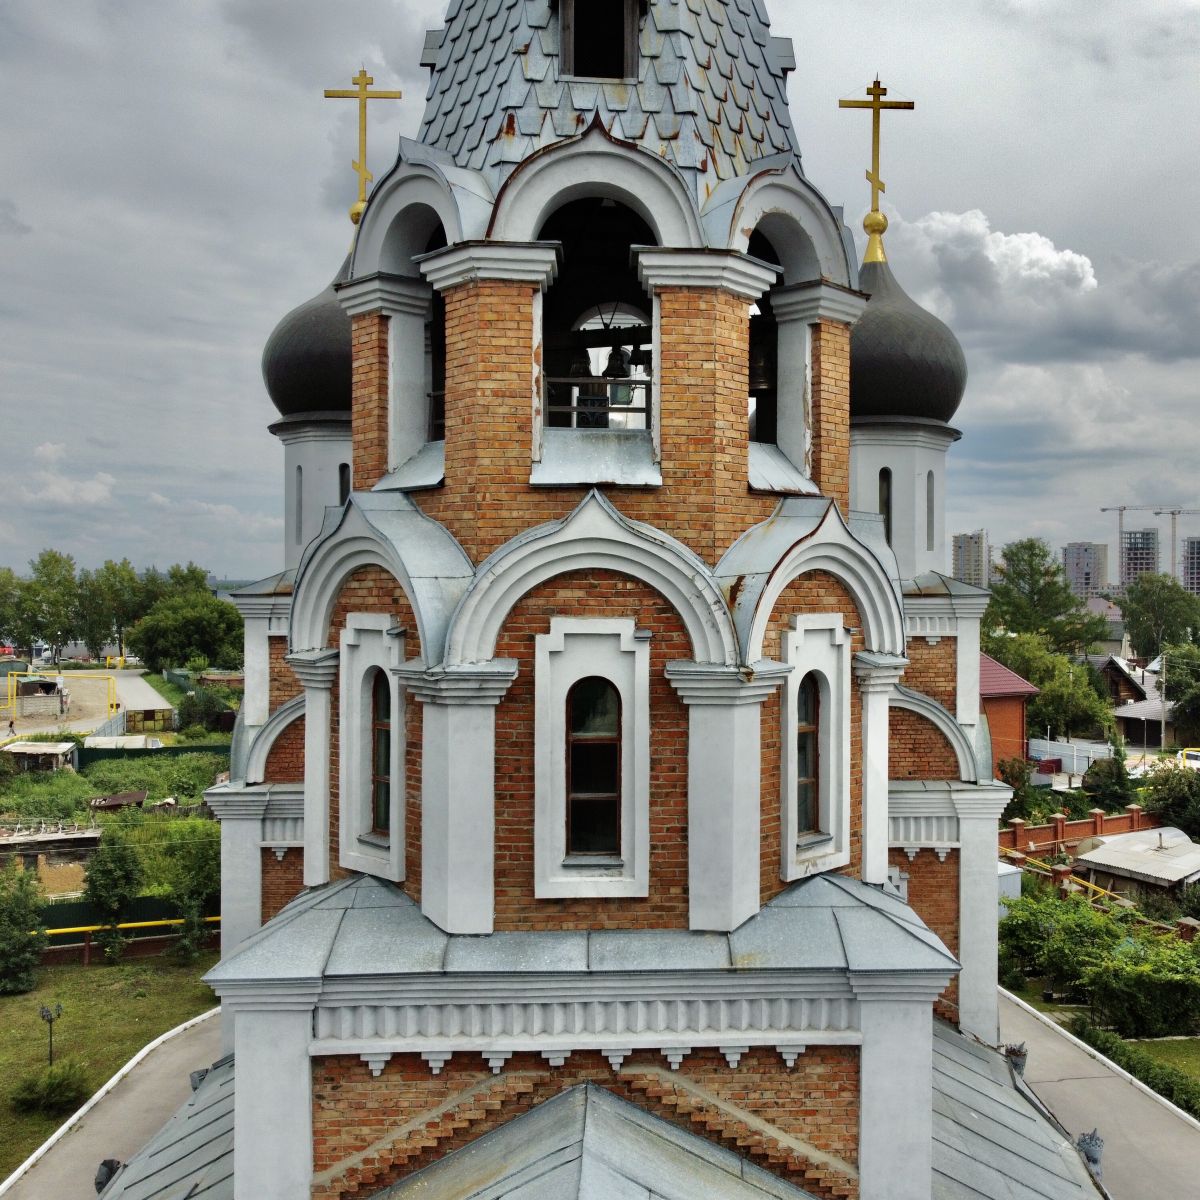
{"type": "Point", "coordinates": [282, 880]}
{"type": "Point", "coordinates": [600, 594]}
{"type": "Point", "coordinates": [373, 590]}
{"type": "Point", "coordinates": [1006, 723]}
{"type": "Point", "coordinates": [369, 1132]}
{"type": "Point", "coordinates": [933, 670]}
{"type": "Point", "coordinates": [705, 499]}
{"type": "Point", "coordinates": [369, 399]}
{"type": "Point", "coordinates": [282, 684]}
{"type": "Point", "coordinates": [831, 410]}
{"type": "Point", "coordinates": [933, 893]}
{"type": "Point", "coordinates": [814, 592]}
{"type": "Point", "coordinates": [285, 759]}
{"type": "Point", "coordinates": [917, 749]}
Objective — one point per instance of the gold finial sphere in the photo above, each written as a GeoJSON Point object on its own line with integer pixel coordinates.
{"type": "Point", "coordinates": [356, 211]}
{"type": "Point", "coordinates": [875, 223]}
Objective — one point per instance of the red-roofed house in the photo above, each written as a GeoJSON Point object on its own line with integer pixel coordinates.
{"type": "Point", "coordinates": [1004, 695]}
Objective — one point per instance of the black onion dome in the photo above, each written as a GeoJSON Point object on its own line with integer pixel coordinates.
{"type": "Point", "coordinates": [904, 362]}
{"type": "Point", "coordinates": [306, 361]}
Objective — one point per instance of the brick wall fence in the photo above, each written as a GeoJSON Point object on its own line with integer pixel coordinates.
{"type": "Point", "coordinates": [1064, 835]}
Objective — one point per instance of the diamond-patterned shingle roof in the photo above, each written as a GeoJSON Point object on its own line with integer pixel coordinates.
{"type": "Point", "coordinates": [710, 97]}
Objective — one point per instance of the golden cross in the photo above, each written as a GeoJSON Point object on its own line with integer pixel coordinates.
{"type": "Point", "coordinates": [875, 223]}
{"type": "Point", "coordinates": [363, 82]}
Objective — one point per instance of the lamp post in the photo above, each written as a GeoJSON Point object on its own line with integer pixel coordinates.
{"type": "Point", "coordinates": [50, 1015]}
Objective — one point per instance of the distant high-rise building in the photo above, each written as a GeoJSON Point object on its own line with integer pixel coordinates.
{"type": "Point", "coordinates": [1086, 567]}
{"type": "Point", "coordinates": [1191, 565]}
{"type": "Point", "coordinates": [1139, 554]}
{"type": "Point", "coordinates": [972, 558]}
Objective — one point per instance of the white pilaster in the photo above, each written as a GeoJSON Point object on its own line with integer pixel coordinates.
{"type": "Point", "coordinates": [316, 670]}
{"type": "Point", "coordinates": [877, 675]}
{"type": "Point", "coordinates": [458, 790]}
{"type": "Point", "coordinates": [724, 793]}
{"type": "Point", "coordinates": [978, 899]}
{"type": "Point", "coordinates": [896, 1087]}
{"type": "Point", "coordinates": [272, 1115]}
{"type": "Point", "coordinates": [519, 262]}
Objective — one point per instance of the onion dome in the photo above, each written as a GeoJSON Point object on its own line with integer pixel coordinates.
{"type": "Point", "coordinates": [307, 360]}
{"type": "Point", "coordinates": [904, 362]}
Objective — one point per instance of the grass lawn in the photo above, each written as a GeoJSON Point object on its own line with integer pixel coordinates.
{"type": "Point", "coordinates": [1183, 1053]}
{"type": "Point", "coordinates": [109, 1014]}
{"type": "Point", "coordinates": [171, 692]}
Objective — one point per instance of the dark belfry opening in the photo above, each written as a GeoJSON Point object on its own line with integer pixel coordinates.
{"type": "Point", "coordinates": [596, 320]}
{"type": "Point", "coordinates": [763, 354]}
{"type": "Point", "coordinates": [435, 341]}
{"type": "Point", "coordinates": [599, 38]}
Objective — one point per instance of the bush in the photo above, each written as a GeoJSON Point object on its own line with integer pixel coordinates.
{"type": "Point", "coordinates": [114, 879]}
{"type": "Point", "coordinates": [1149, 988]}
{"type": "Point", "coordinates": [193, 733]}
{"type": "Point", "coordinates": [202, 707]}
{"type": "Point", "coordinates": [1107, 783]}
{"type": "Point", "coordinates": [1169, 1082]}
{"type": "Point", "coordinates": [21, 899]}
{"type": "Point", "coordinates": [1174, 792]}
{"type": "Point", "coordinates": [54, 1090]}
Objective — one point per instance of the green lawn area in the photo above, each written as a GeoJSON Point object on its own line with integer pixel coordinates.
{"type": "Point", "coordinates": [171, 692]}
{"type": "Point", "coordinates": [1183, 1053]}
{"type": "Point", "coordinates": [109, 1014]}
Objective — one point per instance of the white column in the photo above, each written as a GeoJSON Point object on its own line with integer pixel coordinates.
{"type": "Point", "coordinates": [796, 310]}
{"type": "Point", "coordinates": [458, 790]}
{"type": "Point", "coordinates": [979, 812]}
{"type": "Point", "coordinates": [877, 675]}
{"type": "Point", "coordinates": [272, 1113]}
{"type": "Point", "coordinates": [316, 670]}
{"type": "Point", "coordinates": [240, 814]}
{"type": "Point", "coordinates": [256, 697]}
{"type": "Point", "coordinates": [724, 793]}
{"type": "Point", "coordinates": [896, 1086]}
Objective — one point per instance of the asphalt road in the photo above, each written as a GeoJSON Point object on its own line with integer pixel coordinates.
{"type": "Point", "coordinates": [1150, 1153]}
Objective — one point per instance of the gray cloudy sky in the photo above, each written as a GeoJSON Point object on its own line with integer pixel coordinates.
{"type": "Point", "coordinates": [174, 182]}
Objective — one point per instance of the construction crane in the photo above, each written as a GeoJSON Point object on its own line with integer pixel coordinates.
{"type": "Point", "coordinates": [1174, 514]}
{"type": "Point", "coordinates": [1121, 510]}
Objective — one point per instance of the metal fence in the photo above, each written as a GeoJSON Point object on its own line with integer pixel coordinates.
{"type": "Point", "coordinates": [1076, 755]}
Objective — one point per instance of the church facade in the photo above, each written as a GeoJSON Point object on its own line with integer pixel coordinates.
{"type": "Point", "coordinates": [611, 810]}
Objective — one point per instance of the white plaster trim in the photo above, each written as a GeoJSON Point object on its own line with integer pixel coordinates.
{"type": "Point", "coordinates": [832, 547]}
{"type": "Point", "coordinates": [1095, 1054]}
{"type": "Point", "coordinates": [817, 301]}
{"type": "Point", "coordinates": [817, 644]}
{"type": "Point", "coordinates": [268, 734]}
{"type": "Point", "coordinates": [369, 642]}
{"type": "Point", "coordinates": [731, 272]}
{"type": "Point", "coordinates": [519, 262]}
{"type": "Point", "coordinates": [74, 1119]}
{"type": "Point", "coordinates": [596, 165]}
{"type": "Point", "coordinates": [390, 295]}
{"type": "Point", "coordinates": [575, 648]}
{"type": "Point", "coordinates": [942, 720]}
{"type": "Point", "coordinates": [594, 536]}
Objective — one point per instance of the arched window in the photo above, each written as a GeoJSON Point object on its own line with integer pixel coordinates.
{"type": "Point", "coordinates": [593, 768]}
{"type": "Point", "coordinates": [808, 756]}
{"type": "Point", "coordinates": [299, 503]}
{"type": "Point", "coordinates": [929, 486]}
{"type": "Point", "coordinates": [381, 753]}
{"type": "Point", "coordinates": [885, 501]}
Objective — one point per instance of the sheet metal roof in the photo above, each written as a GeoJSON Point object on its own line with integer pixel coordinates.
{"type": "Point", "coordinates": [365, 927]}
{"type": "Point", "coordinates": [710, 96]}
{"type": "Point", "coordinates": [1162, 856]}
{"type": "Point", "coordinates": [995, 679]}
{"type": "Point", "coordinates": [990, 1139]}
{"type": "Point", "coordinates": [191, 1156]}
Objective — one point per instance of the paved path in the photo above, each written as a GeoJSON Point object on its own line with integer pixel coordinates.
{"type": "Point", "coordinates": [124, 1121]}
{"type": "Point", "coordinates": [1149, 1152]}
{"type": "Point", "coordinates": [132, 691]}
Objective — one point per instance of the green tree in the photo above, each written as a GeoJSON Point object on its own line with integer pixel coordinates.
{"type": "Point", "coordinates": [1031, 595]}
{"type": "Point", "coordinates": [181, 579]}
{"type": "Point", "coordinates": [93, 619]}
{"type": "Point", "coordinates": [1174, 792]}
{"type": "Point", "coordinates": [1107, 782]}
{"type": "Point", "coordinates": [193, 855]}
{"type": "Point", "coordinates": [114, 879]}
{"type": "Point", "coordinates": [21, 899]}
{"type": "Point", "coordinates": [1183, 690]}
{"type": "Point", "coordinates": [52, 598]}
{"type": "Point", "coordinates": [10, 595]}
{"type": "Point", "coordinates": [191, 625]}
{"type": "Point", "coordinates": [125, 594]}
{"type": "Point", "coordinates": [1157, 610]}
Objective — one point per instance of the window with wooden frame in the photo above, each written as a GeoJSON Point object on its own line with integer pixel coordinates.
{"type": "Point", "coordinates": [599, 38]}
{"type": "Point", "coordinates": [381, 753]}
{"type": "Point", "coordinates": [808, 756]}
{"type": "Point", "coordinates": [593, 768]}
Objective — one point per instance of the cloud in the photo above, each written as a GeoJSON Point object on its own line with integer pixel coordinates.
{"type": "Point", "coordinates": [52, 490]}
{"type": "Point", "coordinates": [50, 452]}
{"type": "Point", "coordinates": [11, 224]}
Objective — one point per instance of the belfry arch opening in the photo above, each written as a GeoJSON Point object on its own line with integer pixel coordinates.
{"type": "Point", "coordinates": [597, 320]}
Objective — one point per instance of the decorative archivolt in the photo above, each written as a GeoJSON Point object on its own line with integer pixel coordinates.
{"type": "Point", "coordinates": [946, 725]}
{"type": "Point", "coordinates": [594, 537]}
{"type": "Point", "coordinates": [266, 737]}
{"type": "Point", "coordinates": [595, 164]}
